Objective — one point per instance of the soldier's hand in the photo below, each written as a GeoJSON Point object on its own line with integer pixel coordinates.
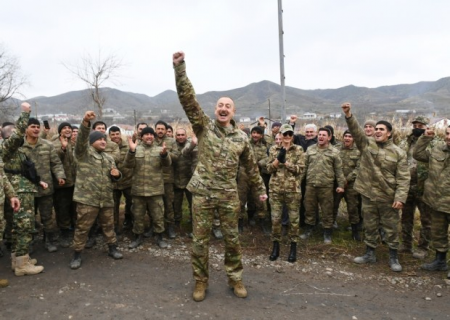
{"type": "Point", "coordinates": [114, 172]}
{"type": "Point", "coordinates": [194, 139]}
{"type": "Point", "coordinates": [282, 155]}
{"type": "Point", "coordinates": [397, 205]}
{"type": "Point", "coordinates": [261, 122]}
{"type": "Point", "coordinates": [429, 132]}
{"type": "Point", "coordinates": [132, 144]}
{"type": "Point", "coordinates": [164, 149]}
{"type": "Point", "coordinates": [64, 142]}
{"type": "Point", "coordinates": [43, 184]}
{"type": "Point", "coordinates": [293, 118]}
{"type": "Point", "coordinates": [263, 197]}
{"type": "Point", "coordinates": [61, 182]}
{"type": "Point", "coordinates": [26, 107]}
{"type": "Point", "coordinates": [346, 107]}
{"type": "Point", "coordinates": [340, 190]}
{"type": "Point", "coordinates": [15, 203]}
{"type": "Point", "coordinates": [178, 57]}
{"type": "Point", "coordinates": [88, 116]}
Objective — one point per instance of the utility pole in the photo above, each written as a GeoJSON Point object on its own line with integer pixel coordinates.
{"type": "Point", "coordinates": [282, 76]}
{"type": "Point", "coordinates": [270, 117]}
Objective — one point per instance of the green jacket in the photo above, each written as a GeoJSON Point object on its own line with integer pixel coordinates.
{"type": "Point", "coordinates": [260, 152]}
{"type": "Point", "coordinates": [68, 162]}
{"type": "Point", "coordinates": [350, 158]}
{"type": "Point", "coordinates": [127, 173]}
{"type": "Point", "coordinates": [286, 178]}
{"type": "Point", "coordinates": [7, 190]}
{"type": "Point", "coordinates": [182, 166]}
{"type": "Point", "coordinates": [172, 149]}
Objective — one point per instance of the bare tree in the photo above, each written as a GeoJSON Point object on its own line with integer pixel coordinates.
{"type": "Point", "coordinates": [94, 72]}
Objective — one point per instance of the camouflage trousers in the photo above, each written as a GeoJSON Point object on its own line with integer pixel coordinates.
{"type": "Point", "coordinates": [292, 201]}
{"type": "Point", "coordinates": [323, 197]}
{"type": "Point", "coordinates": [352, 200]}
{"type": "Point", "coordinates": [380, 214]}
{"type": "Point", "coordinates": [86, 216]}
{"type": "Point", "coordinates": [64, 207]}
{"type": "Point", "coordinates": [440, 222]}
{"type": "Point", "coordinates": [178, 203]}
{"type": "Point", "coordinates": [154, 206]}
{"type": "Point", "coordinates": [44, 205]}
{"type": "Point", "coordinates": [168, 203]}
{"type": "Point", "coordinates": [23, 225]}
{"type": "Point", "coordinates": [117, 195]}
{"type": "Point", "coordinates": [412, 202]}
{"type": "Point", "coordinates": [249, 197]}
{"type": "Point", "coordinates": [203, 210]}
{"type": "Point", "coordinates": [2, 220]}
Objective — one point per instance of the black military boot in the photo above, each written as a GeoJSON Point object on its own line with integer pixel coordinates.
{"type": "Point", "coordinates": [128, 222]}
{"type": "Point", "coordinates": [327, 235]}
{"type": "Point", "coordinates": [393, 260]}
{"type": "Point", "coordinates": [438, 264]}
{"type": "Point", "coordinates": [76, 260]}
{"type": "Point", "coordinates": [241, 225]}
{"type": "Point", "coordinates": [275, 251]}
{"type": "Point", "coordinates": [368, 257]}
{"type": "Point", "coordinates": [355, 233]}
{"type": "Point", "coordinates": [149, 233]}
{"type": "Point", "coordinates": [293, 253]}
{"type": "Point", "coordinates": [171, 231]}
{"type": "Point", "coordinates": [160, 241]}
{"type": "Point", "coordinates": [113, 252]}
{"type": "Point", "coordinates": [138, 240]}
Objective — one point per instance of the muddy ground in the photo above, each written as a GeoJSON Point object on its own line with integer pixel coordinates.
{"type": "Point", "coordinates": [150, 283]}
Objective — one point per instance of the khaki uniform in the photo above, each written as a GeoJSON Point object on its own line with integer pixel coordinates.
{"type": "Point", "coordinates": [123, 186]}
{"type": "Point", "coordinates": [182, 175]}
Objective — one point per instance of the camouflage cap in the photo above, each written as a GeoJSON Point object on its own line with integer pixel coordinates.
{"type": "Point", "coordinates": [285, 128]}
{"type": "Point", "coordinates": [421, 119]}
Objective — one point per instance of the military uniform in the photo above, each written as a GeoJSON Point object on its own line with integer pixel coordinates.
{"type": "Point", "coordinates": [123, 186]}
{"type": "Point", "coordinates": [213, 184]}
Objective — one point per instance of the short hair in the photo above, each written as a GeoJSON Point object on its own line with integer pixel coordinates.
{"type": "Point", "coordinates": [74, 128]}
{"type": "Point", "coordinates": [97, 123]}
{"type": "Point", "coordinates": [385, 123]}
{"type": "Point", "coordinates": [161, 122]}
{"type": "Point", "coordinates": [181, 129]}
{"type": "Point", "coordinates": [114, 129]}
{"type": "Point", "coordinates": [169, 127]}
{"type": "Point", "coordinates": [141, 123]}
{"type": "Point", "coordinates": [328, 131]}
{"type": "Point", "coordinates": [312, 126]}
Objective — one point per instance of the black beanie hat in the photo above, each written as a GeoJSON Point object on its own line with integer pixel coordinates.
{"type": "Point", "coordinates": [95, 135]}
{"type": "Point", "coordinates": [62, 125]}
{"type": "Point", "coordinates": [33, 121]}
{"type": "Point", "coordinates": [147, 130]}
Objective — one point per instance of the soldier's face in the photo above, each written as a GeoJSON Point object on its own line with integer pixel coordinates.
{"type": "Point", "coordinates": [33, 130]}
{"type": "Point", "coordinates": [381, 133]}
{"type": "Point", "coordinates": [181, 136]}
{"type": "Point", "coordinates": [348, 140]}
{"type": "Point", "coordinates": [278, 138]}
{"type": "Point", "coordinates": [323, 138]}
{"type": "Point", "coordinates": [101, 128]}
{"type": "Point", "coordinates": [169, 133]}
{"type": "Point", "coordinates": [74, 134]}
{"type": "Point", "coordinates": [140, 128]}
{"type": "Point", "coordinates": [369, 131]}
{"type": "Point", "coordinates": [115, 136]}
{"type": "Point", "coordinates": [148, 138]}
{"type": "Point", "coordinates": [160, 131]}
{"type": "Point", "coordinates": [224, 111]}
{"type": "Point", "coordinates": [447, 136]}
{"type": "Point", "coordinates": [418, 125]}
{"type": "Point", "coordinates": [275, 129]}
{"type": "Point", "coordinates": [66, 132]}
{"type": "Point", "coordinates": [310, 133]}
{"type": "Point", "coordinates": [7, 131]}
{"type": "Point", "coordinates": [99, 144]}
{"type": "Point", "coordinates": [256, 136]}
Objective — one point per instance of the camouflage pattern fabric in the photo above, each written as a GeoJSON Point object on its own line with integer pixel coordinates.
{"type": "Point", "coordinates": [44, 205]}
{"type": "Point", "coordinates": [440, 222]}
{"type": "Point", "coordinates": [292, 201]}
{"type": "Point", "coordinates": [86, 216]}
{"type": "Point", "coordinates": [7, 192]}
{"type": "Point", "coordinates": [23, 225]}
{"type": "Point", "coordinates": [68, 162]}
{"type": "Point", "coordinates": [352, 200]}
{"type": "Point", "coordinates": [113, 150]}
{"type": "Point", "coordinates": [64, 207]}
{"type": "Point", "coordinates": [322, 196]}
{"type": "Point", "coordinates": [117, 195]}
{"type": "Point", "coordinates": [178, 203]}
{"type": "Point", "coordinates": [154, 205]}
{"type": "Point", "coordinates": [127, 173]}
{"type": "Point", "coordinates": [182, 166]}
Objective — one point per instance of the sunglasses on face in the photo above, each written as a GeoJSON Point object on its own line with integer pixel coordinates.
{"type": "Point", "coordinates": [289, 133]}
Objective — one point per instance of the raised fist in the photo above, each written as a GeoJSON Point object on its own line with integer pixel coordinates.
{"type": "Point", "coordinates": [178, 57]}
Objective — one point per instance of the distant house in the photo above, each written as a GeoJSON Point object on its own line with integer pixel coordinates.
{"type": "Point", "coordinates": [244, 119]}
{"type": "Point", "coordinates": [309, 115]}
{"type": "Point", "coordinates": [336, 115]}
{"type": "Point", "coordinates": [405, 111]}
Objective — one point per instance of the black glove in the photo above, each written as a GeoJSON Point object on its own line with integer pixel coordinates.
{"type": "Point", "coordinates": [282, 155]}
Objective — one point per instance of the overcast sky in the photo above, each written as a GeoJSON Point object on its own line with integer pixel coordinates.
{"type": "Point", "coordinates": [230, 43]}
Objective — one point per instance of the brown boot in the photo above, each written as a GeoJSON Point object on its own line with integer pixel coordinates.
{"type": "Point", "coordinates": [238, 288]}
{"type": "Point", "coordinates": [24, 267]}
{"type": "Point", "coordinates": [200, 291]}
{"type": "Point", "coordinates": [13, 261]}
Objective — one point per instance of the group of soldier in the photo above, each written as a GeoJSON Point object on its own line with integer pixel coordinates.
{"type": "Point", "coordinates": [227, 175]}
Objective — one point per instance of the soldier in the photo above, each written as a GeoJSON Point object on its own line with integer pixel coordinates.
{"type": "Point", "coordinates": [286, 163]}
{"type": "Point", "coordinates": [322, 167]}
{"type": "Point", "coordinates": [383, 182]}
{"type": "Point", "coordinates": [122, 187]}
{"type": "Point", "coordinates": [169, 132]}
{"type": "Point", "coordinates": [137, 132]}
{"type": "Point", "coordinates": [419, 172]}
{"type": "Point", "coordinates": [74, 134]}
{"type": "Point", "coordinates": [147, 161]}
{"type": "Point", "coordinates": [269, 138]}
{"type": "Point", "coordinates": [48, 165]}
{"type": "Point", "coordinates": [171, 145]}
{"type": "Point", "coordinates": [62, 198]}
{"type": "Point", "coordinates": [350, 157]}
{"type": "Point", "coordinates": [222, 148]}
{"type": "Point", "coordinates": [369, 128]}
{"type": "Point", "coordinates": [25, 184]}
{"type": "Point", "coordinates": [436, 193]}
{"type": "Point", "coordinates": [111, 148]}
{"type": "Point", "coordinates": [96, 173]}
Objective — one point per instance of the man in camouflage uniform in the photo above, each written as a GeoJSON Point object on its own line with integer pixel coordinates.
{"type": "Point", "coordinates": [436, 193]}
{"type": "Point", "coordinates": [171, 145]}
{"type": "Point", "coordinates": [22, 224]}
{"type": "Point", "coordinates": [48, 165]}
{"type": "Point", "coordinates": [419, 172]}
{"type": "Point", "coordinates": [96, 173]}
{"type": "Point", "coordinates": [62, 198]}
{"type": "Point", "coordinates": [383, 182]}
{"type": "Point", "coordinates": [123, 186]}
{"type": "Point", "coordinates": [111, 148]}
{"type": "Point", "coordinates": [147, 161]}
{"type": "Point", "coordinates": [350, 156]}
{"type": "Point", "coordinates": [269, 138]}
{"type": "Point", "coordinates": [222, 148]}
{"type": "Point", "coordinates": [285, 163]}
{"type": "Point", "coordinates": [322, 167]}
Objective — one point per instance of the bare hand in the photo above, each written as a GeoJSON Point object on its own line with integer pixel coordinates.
{"type": "Point", "coordinates": [429, 132]}
{"type": "Point", "coordinates": [132, 144]}
{"type": "Point", "coordinates": [61, 182]}
{"type": "Point", "coordinates": [26, 107]}
{"type": "Point", "coordinates": [15, 204]}
{"type": "Point", "coordinates": [114, 172]}
{"type": "Point", "coordinates": [261, 122]}
{"type": "Point", "coordinates": [164, 149]}
{"type": "Point", "coordinates": [43, 184]}
{"type": "Point", "coordinates": [263, 197]}
{"type": "Point", "coordinates": [194, 140]}
{"type": "Point", "coordinates": [346, 107]}
{"type": "Point", "coordinates": [64, 142]}
{"type": "Point", "coordinates": [340, 190]}
{"type": "Point", "coordinates": [397, 205]}
{"type": "Point", "coordinates": [88, 116]}
{"type": "Point", "coordinates": [178, 57]}
{"type": "Point", "coordinates": [293, 118]}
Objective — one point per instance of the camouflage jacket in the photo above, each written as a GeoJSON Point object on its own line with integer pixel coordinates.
{"type": "Point", "coordinates": [47, 162]}
{"type": "Point", "coordinates": [6, 187]}
{"type": "Point", "coordinates": [270, 139]}
{"type": "Point", "coordinates": [172, 149]}
{"type": "Point", "coordinates": [220, 149]}
{"type": "Point", "coordinates": [383, 173]}
{"type": "Point", "coordinates": [350, 158]}
{"type": "Point", "coordinates": [286, 177]}
{"type": "Point", "coordinates": [436, 193]}
{"type": "Point", "coordinates": [113, 150]}
{"type": "Point", "coordinates": [127, 173]}
{"type": "Point", "coordinates": [323, 167]}
{"type": "Point", "coordinates": [417, 169]}
{"type": "Point", "coordinates": [183, 166]}
{"type": "Point", "coordinates": [94, 185]}
{"type": "Point", "coordinates": [147, 164]}
{"type": "Point", "coordinates": [13, 156]}
{"type": "Point", "coordinates": [68, 162]}
{"type": "Point", "coordinates": [191, 150]}
{"type": "Point", "coordinates": [260, 152]}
